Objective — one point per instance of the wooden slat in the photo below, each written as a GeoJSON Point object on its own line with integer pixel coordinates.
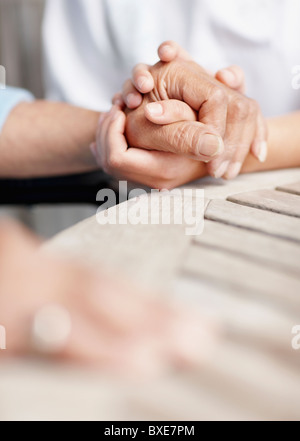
{"type": "Point", "coordinates": [245, 319]}
{"type": "Point", "coordinates": [247, 279]}
{"type": "Point", "coordinates": [270, 200]}
{"type": "Point", "coordinates": [149, 254]}
{"type": "Point", "coordinates": [220, 189]}
{"type": "Point", "coordinates": [237, 384]}
{"type": "Point", "coordinates": [292, 189]}
{"type": "Point", "coordinates": [256, 220]}
{"type": "Point", "coordinates": [268, 250]}
{"type": "Point", "coordinates": [243, 276]}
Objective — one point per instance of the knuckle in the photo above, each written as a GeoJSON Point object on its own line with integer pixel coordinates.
{"type": "Point", "coordinates": [219, 96]}
{"type": "Point", "coordinates": [184, 139]}
{"type": "Point", "coordinates": [178, 139]}
{"type": "Point", "coordinates": [195, 137]}
{"type": "Point", "coordinates": [240, 108]}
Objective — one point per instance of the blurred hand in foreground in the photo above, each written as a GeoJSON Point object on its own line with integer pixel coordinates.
{"type": "Point", "coordinates": [110, 324]}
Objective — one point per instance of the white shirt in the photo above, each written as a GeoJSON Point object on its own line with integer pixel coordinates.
{"type": "Point", "coordinates": [92, 45]}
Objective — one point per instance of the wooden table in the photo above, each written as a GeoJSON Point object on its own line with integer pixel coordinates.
{"type": "Point", "coordinates": [244, 270]}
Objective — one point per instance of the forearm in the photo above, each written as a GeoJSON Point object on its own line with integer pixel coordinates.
{"type": "Point", "coordinates": [284, 145]}
{"type": "Point", "coordinates": [46, 138]}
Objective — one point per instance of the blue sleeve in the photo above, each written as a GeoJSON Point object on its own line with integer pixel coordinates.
{"type": "Point", "coordinates": [9, 98]}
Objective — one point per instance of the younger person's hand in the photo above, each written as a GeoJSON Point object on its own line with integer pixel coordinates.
{"type": "Point", "coordinates": [152, 168]}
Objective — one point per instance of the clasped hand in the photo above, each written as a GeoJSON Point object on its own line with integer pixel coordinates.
{"type": "Point", "coordinates": [180, 123]}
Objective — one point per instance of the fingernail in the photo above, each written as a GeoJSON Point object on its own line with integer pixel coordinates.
{"type": "Point", "coordinates": [155, 109]}
{"type": "Point", "coordinates": [166, 48]}
{"type": "Point", "coordinates": [211, 145]}
{"type": "Point", "coordinates": [221, 170]}
{"type": "Point", "coordinates": [233, 170]}
{"type": "Point", "coordinates": [263, 152]}
{"type": "Point", "coordinates": [142, 82]}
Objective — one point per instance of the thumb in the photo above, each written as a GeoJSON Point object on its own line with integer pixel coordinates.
{"type": "Point", "coordinates": [192, 139]}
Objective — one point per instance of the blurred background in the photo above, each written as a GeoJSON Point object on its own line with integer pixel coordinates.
{"type": "Point", "coordinates": [20, 43]}
{"type": "Point", "coordinates": [21, 55]}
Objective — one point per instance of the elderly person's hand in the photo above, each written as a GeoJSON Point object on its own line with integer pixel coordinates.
{"type": "Point", "coordinates": [104, 323]}
{"type": "Point", "coordinates": [160, 169]}
{"type": "Point", "coordinates": [237, 118]}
